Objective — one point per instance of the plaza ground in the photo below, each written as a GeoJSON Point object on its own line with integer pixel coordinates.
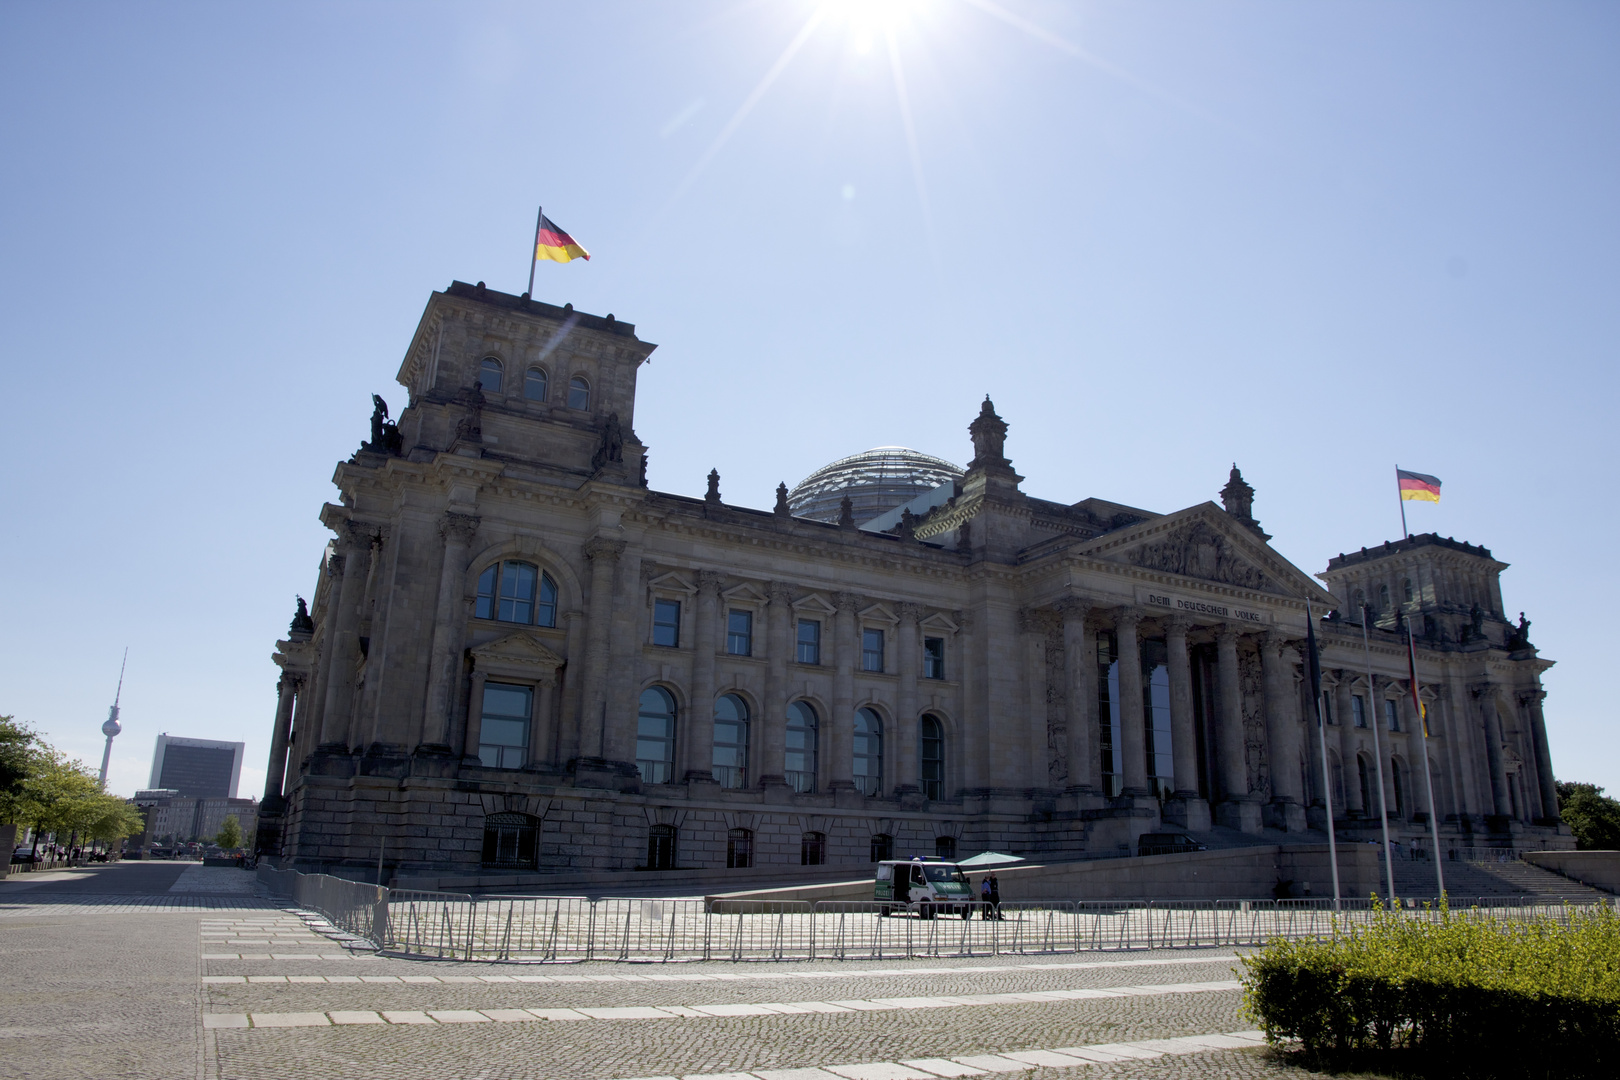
{"type": "Point", "coordinates": [161, 970]}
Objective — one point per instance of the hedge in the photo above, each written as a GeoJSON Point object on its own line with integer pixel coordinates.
{"type": "Point", "coordinates": [1449, 993]}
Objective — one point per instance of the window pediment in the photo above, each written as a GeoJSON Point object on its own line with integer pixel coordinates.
{"type": "Point", "coordinates": [519, 655]}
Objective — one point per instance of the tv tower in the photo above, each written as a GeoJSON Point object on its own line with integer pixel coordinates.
{"type": "Point", "coordinates": [112, 726]}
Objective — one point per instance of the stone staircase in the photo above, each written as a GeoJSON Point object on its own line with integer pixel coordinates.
{"type": "Point", "coordinates": [1515, 878]}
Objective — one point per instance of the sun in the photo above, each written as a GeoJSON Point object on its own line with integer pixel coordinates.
{"type": "Point", "coordinates": [870, 21]}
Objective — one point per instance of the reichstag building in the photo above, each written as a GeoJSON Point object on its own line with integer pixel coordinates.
{"type": "Point", "coordinates": [519, 657]}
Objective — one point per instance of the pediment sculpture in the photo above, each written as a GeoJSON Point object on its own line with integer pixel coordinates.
{"type": "Point", "coordinates": [1199, 551]}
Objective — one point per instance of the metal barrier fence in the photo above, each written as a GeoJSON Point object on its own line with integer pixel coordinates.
{"type": "Point", "coordinates": [553, 929]}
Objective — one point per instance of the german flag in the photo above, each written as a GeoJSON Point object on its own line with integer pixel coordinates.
{"type": "Point", "coordinates": [1419, 486]}
{"type": "Point", "coordinates": [552, 243]}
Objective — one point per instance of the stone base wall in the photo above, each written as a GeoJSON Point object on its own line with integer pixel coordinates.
{"type": "Point", "coordinates": [436, 824]}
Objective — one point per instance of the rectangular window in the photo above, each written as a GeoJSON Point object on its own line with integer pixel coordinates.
{"type": "Point", "coordinates": [739, 849]}
{"type": "Point", "coordinates": [667, 622]}
{"type": "Point", "coordinates": [809, 641]}
{"type": "Point", "coordinates": [740, 633]}
{"type": "Point", "coordinates": [1156, 715]}
{"type": "Point", "coordinates": [871, 650]}
{"type": "Point", "coordinates": [933, 658]}
{"type": "Point", "coordinates": [1327, 708]}
{"type": "Point", "coordinates": [503, 733]}
{"type": "Point", "coordinates": [1392, 714]}
{"type": "Point", "coordinates": [1358, 710]}
{"type": "Point", "coordinates": [1109, 743]}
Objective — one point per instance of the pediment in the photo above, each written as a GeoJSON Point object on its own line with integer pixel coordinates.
{"type": "Point", "coordinates": [813, 603]}
{"type": "Point", "coordinates": [879, 613]}
{"type": "Point", "coordinates": [517, 655]}
{"type": "Point", "coordinates": [670, 582]}
{"type": "Point", "coordinates": [941, 622]}
{"type": "Point", "coordinates": [744, 593]}
{"type": "Point", "coordinates": [1206, 544]}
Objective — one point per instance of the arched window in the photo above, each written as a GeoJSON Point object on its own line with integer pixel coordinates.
{"type": "Point", "coordinates": [868, 752]}
{"type": "Point", "coordinates": [931, 736]}
{"type": "Point", "coordinates": [1366, 789]}
{"type": "Point", "coordinates": [812, 849]}
{"type": "Point", "coordinates": [517, 592]}
{"type": "Point", "coordinates": [1395, 782]}
{"type": "Point", "coordinates": [739, 849]}
{"type": "Point", "coordinates": [534, 384]}
{"type": "Point", "coordinates": [655, 735]}
{"type": "Point", "coordinates": [1383, 598]}
{"type": "Point", "coordinates": [509, 841]}
{"type": "Point", "coordinates": [945, 847]}
{"type": "Point", "coordinates": [489, 375]}
{"type": "Point", "coordinates": [661, 847]}
{"type": "Point", "coordinates": [579, 393]}
{"type": "Point", "coordinates": [799, 766]}
{"type": "Point", "coordinates": [882, 847]}
{"type": "Point", "coordinates": [731, 741]}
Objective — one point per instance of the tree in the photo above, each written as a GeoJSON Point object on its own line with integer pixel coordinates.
{"type": "Point", "coordinates": [1592, 816]}
{"type": "Point", "coordinates": [20, 755]}
{"type": "Point", "coordinates": [59, 797]}
{"type": "Point", "coordinates": [230, 833]}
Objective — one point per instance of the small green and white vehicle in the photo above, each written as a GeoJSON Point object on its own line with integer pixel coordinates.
{"type": "Point", "coordinates": [938, 888]}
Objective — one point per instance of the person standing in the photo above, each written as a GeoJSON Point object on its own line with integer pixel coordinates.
{"type": "Point", "coordinates": [995, 895]}
{"type": "Point", "coordinates": [985, 910]}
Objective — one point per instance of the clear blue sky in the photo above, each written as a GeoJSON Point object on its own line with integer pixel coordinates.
{"type": "Point", "coordinates": [1315, 239]}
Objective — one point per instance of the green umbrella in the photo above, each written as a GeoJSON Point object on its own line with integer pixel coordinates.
{"type": "Point", "coordinates": [988, 858]}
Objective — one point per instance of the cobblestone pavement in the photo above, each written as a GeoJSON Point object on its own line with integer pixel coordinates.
{"type": "Point", "coordinates": [236, 988]}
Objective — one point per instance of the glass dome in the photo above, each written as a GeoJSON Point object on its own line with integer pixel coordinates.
{"type": "Point", "coordinates": [875, 481]}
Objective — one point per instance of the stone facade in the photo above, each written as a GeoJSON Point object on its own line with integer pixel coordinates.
{"type": "Point", "coordinates": [516, 650]}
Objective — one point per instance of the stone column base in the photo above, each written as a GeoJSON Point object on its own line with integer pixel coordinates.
{"type": "Point", "coordinates": [1240, 814]}
{"type": "Point", "coordinates": [1284, 816]}
{"type": "Point", "coordinates": [1187, 812]}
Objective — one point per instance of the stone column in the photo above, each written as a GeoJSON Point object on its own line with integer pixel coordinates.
{"type": "Point", "coordinates": [1282, 733]}
{"type": "Point", "coordinates": [540, 726]}
{"type": "Point", "coordinates": [1544, 772]}
{"type": "Point", "coordinates": [1485, 694]}
{"type": "Point", "coordinates": [443, 665]}
{"type": "Point", "coordinates": [351, 563]}
{"type": "Point", "coordinates": [573, 689]}
{"type": "Point", "coordinates": [475, 715]}
{"type": "Point", "coordinates": [287, 688]}
{"type": "Point", "coordinates": [1133, 736]}
{"type": "Point", "coordinates": [1187, 808]}
{"type": "Point", "coordinates": [1237, 809]}
{"type": "Point", "coordinates": [904, 747]}
{"type": "Point", "coordinates": [699, 734]}
{"type": "Point", "coordinates": [604, 555]}
{"type": "Point", "coordinates": [772, 725]}
{"type": "Point", "coordinates": [1343, 712]}
{"type": "Point", "coordinates": [1079, 669]}
{"type": "Point", "coordinates": [840, 725]}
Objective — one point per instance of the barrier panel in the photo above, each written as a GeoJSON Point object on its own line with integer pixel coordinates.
{"type": "Point", "coordinates": [562, 929]}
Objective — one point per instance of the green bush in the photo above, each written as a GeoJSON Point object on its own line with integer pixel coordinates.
{"type": "Point", "coordinates": [1449, 993]}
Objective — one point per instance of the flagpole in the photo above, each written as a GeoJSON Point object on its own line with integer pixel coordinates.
{"type": "Point", "coordinates": [1398, 496]}
{"type": "Point", "coordinates": [1315, 674]}
{"type": "Point", "coordinates": [534, 254]}
{"type": "Point", "coordinates": [1428, 773]}
{"type": "Point", "coordinates": [1378, 752]}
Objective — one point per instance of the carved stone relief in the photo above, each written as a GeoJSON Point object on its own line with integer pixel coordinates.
{"type": "Point", "coordinates": [1199, 551]}
{"type": "Point", "coordinates": [1251, 681]}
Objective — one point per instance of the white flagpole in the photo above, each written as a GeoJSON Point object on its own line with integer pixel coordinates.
{"type": "Point", "coordinates": [1428, 774]}
{"type": "Point", "coordinates": [1321, 734]}
{"type": "Point", "coordinates": [1400, 498]}
{"type": "Point", "coordinates": [1378, 753]}
{"type": "Point", "coordinates": [534, 254]}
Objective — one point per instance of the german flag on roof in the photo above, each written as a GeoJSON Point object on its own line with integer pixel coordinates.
{"type": "Point", "coordinates": [1419, 486]}
{"type": "Point", "coordinates": [552, 243]}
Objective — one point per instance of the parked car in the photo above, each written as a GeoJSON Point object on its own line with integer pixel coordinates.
{"type": "Point", "coordinates": [936, 887]}
{"type": "Point", "coordinates": [1166, 843]}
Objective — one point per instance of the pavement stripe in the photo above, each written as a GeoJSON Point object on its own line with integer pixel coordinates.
{"type": "Point", "coordinates": [1008, 1062]}
{"type": "Point", "coordinates": [670, 1012]}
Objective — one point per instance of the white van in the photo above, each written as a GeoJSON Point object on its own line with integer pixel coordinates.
{"type": "Point", "coordinates": [940, 887]}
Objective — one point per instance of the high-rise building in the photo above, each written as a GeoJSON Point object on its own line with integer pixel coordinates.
{"type": "Point", "coordinates": [197, 768]}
